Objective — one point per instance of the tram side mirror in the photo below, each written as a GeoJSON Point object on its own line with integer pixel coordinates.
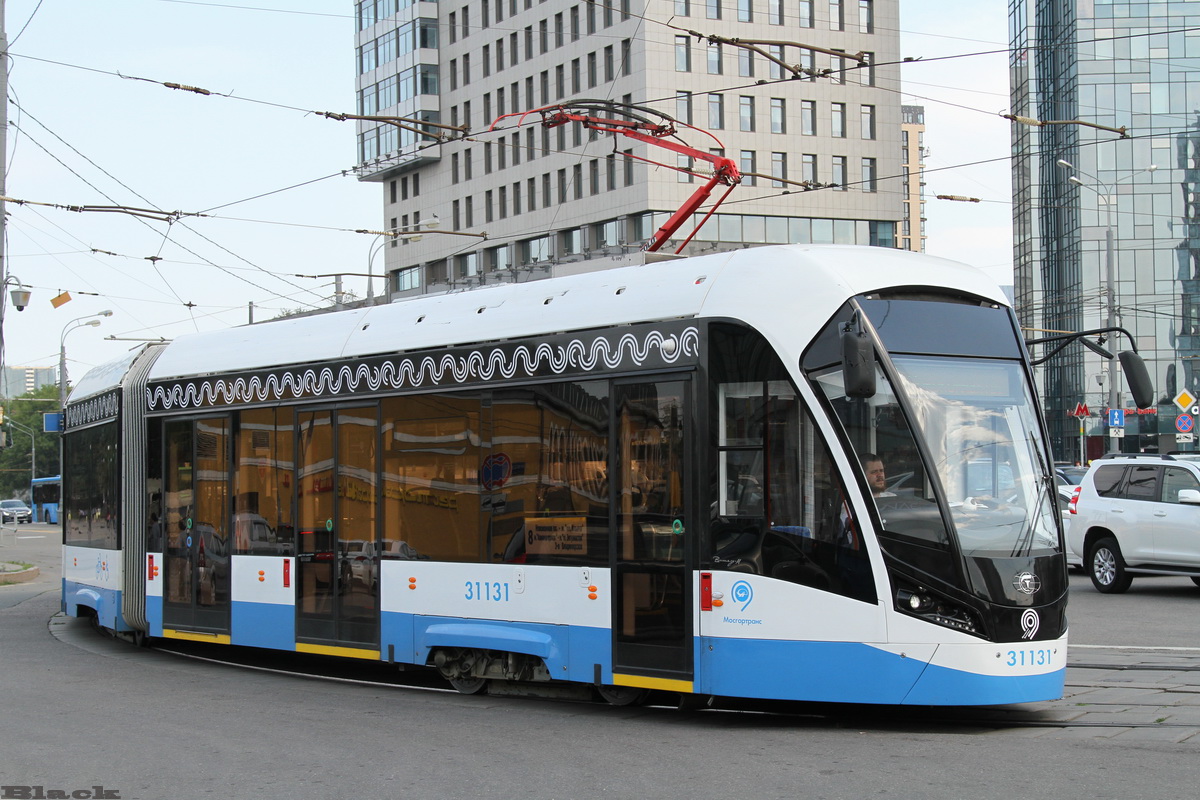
{"type": "Point", "coordinates": [858, 364]}
{"type": "Point", "coordinates": [1137, 377]}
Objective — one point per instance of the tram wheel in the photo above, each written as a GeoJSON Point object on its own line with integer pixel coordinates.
{"type": "Point", "coordinates": [1107, 568]}
{"type": "Point", "coordinates": [623, 695]}
{"type": "Point", "coordinates": [469, 685]}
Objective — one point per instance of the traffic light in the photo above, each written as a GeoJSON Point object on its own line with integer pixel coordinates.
{"type": "Point", "coordinates": [1, 415]}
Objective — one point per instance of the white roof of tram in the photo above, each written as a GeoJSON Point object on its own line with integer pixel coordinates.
{"type": "Point", "coordinates": [753, 285]}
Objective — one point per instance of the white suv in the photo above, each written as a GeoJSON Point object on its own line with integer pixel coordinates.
{"type": "Point", "coordinates": [1137, 515]}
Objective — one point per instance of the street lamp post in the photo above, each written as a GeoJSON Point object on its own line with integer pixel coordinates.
{"type": "Point", "coordinates": [1110, 270]}
{"type": "Point", "coordinates": [88, 321]}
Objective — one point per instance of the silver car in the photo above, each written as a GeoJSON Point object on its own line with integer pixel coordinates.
{"type": "Point", "coordinates": [15, 511]}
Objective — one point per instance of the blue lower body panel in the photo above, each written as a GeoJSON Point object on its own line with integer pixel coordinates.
{"type": "Point", "coordinates": [154, 615]}
{"type": "Point", "coordinates": [940, 686]}
{"type": "Point", "coordinates": [263, 625]}
{"type": "Point", "coordinates": [105, 602]}
{"type": "Point", "coordinates": [849, 672]}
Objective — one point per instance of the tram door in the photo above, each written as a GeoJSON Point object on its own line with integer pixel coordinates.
{"type": "Point", "coordinates": [337, 593]}
{"type": "Point", "coordinates": [196, 522]}
{"type": "Point", "coordinates": [652, 607]}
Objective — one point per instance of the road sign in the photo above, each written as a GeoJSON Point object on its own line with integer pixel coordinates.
{"type": "Point", "coordinates": [1081, 410]}
{"type": "Point", "coordinates": [1184, 438]}
{"type": "Point", "coordinates": [1185, 399]}
{"type": "Point", "coordinates": [1184, 423]}
{"type": "Point", "coordinates": [1116, 418]}
{"type": "Point", "coordinates": [1116, 433]}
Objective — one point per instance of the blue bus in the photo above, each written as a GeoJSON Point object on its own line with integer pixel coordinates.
{"type": "Point", "coordinates": [44, 498]}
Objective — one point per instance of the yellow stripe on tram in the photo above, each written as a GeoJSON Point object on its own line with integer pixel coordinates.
{"type": "Point", "coordinates": [196, 636]}
{"type": "Point", "coordinates": [344, 652]}
{"type": "Point", "coordinates": [644, 682]}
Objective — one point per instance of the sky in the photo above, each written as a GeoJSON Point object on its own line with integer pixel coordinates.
{"type": "Point", "coordinates": [90, 123]}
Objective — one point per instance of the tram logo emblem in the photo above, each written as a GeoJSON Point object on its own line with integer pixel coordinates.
{"type": "Point", "coordinates": [1030, 622]}
{"type": "Point", "coordinates": [743, 593]}
{"type": "Point", "coordinates": [1027, 583]}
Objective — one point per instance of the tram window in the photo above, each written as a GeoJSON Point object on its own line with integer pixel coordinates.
{"type": "Point", "coordinates": [778, 506]}
{"type": "Point", "coordinates": [263, 482]}
{"type": "Point", "coordinates": [546, 477]}
{"type": "Point", "coordinates": [90, 481]}
{"type": "Point", "coordinates": [432, 452]}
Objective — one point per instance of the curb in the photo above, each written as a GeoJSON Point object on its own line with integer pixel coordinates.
{"type": "Point", "coordinates": [18, 576]}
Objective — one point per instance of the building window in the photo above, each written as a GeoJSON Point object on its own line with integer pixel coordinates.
{"type": "Point", "coordinates": [713, 9]}
{"type": "Point", "coordinates": [775, 12]}
{"type": "Point", "coordinates": [683, 107]}
{"type": "Point", "coordinates": [806, 13]}
{"type": "Point", "coordinates": [683, 8]}
{"type": "Point", "coordinates": [778, 168]}
{"type": "Point", "coordinates": [869, 175]}
{"type": "Point", "coordinates": [745, 11]}
{"type": "Point", "coordinates": [837, 15]}
{"type": "Point", "coordinates": [808, 167]}
{"type": "Point", "coordinates": [683, 54]}
{"type": "Point", "coordinates": [808, 117]}
{"type": "Point", "coordinates": [745, 63]}
{"type": "Point", "coordinates": [838, 121]}
{"type": "Point", "coordinates": [866, 16]}
{"type": "Point", "coordinates": [748, 165]}
{"type": "Point", "coordinates": [715, 60]}
{"type": "Point", "coordinates": [716, 112]}
{"type": "Point", "coordinates": [684, 165]}
{"type": "Point", "coordinates": [866, 72]}
{"type": "Point", "coordinates": [778, 115]}
{"type": "Point", "coordinates": [746, 113]}
{"type": "Point", "coordinates": [867, 120]}
{"type": "Point", "coordinates": [841, 175]}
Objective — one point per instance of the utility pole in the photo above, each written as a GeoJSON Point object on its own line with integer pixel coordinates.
{"type": "Point", "coordinates": [3, 186]}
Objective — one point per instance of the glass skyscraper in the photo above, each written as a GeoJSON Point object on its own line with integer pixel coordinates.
{"type": "Point", "coordinates": [1088, 70]}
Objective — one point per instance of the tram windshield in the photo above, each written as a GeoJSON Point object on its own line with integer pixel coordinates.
{"type": "Point", "coordinates": [978, 422]}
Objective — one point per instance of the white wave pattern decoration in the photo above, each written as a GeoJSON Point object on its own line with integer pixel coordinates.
{"type": "Point", "coordinates": [415, 372]}
{"type": "Point", "coordinates": [94, 409]}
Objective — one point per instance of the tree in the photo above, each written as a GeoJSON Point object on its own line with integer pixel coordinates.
{"type": "Point", "coordinates": [27, 410]}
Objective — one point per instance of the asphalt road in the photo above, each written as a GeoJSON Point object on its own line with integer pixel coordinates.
{"type": "Point", "coordinates": [78, 710]}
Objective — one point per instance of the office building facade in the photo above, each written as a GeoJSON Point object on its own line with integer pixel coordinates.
{"type": "Point", "coordinates": [567, 199]}
{"type": "Point", "coordinates": [912, 164]}
{"type": "Point", "coordinates": [1086, 69]}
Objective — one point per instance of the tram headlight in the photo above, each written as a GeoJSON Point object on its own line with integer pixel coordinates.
{"type": "Point", "coordinates": [920, 602]}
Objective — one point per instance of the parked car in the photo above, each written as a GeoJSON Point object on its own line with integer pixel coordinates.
{"type": "Point", "coordinates": [1071, 475]}
{"type": "Point", "coordinates": [15, 511]}
{"type": "Point", "coordinates": [1137, 515]}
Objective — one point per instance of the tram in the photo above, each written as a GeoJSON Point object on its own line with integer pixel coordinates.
{"type": "Point", "coordinates": [800, 472]}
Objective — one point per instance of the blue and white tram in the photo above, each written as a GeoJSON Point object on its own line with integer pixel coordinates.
{"type": "Point", "coordinates": [797, 472]}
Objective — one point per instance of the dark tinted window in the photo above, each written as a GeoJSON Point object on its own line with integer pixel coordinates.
{"type": "Point", "coordinates": [1107, 479]}
{"type": "Point", "coordinates": [90, 476]}
{"type": "Point", "coordinates": [1142, 483]}
{"type": "Point", "coordinates": [919, 326]}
